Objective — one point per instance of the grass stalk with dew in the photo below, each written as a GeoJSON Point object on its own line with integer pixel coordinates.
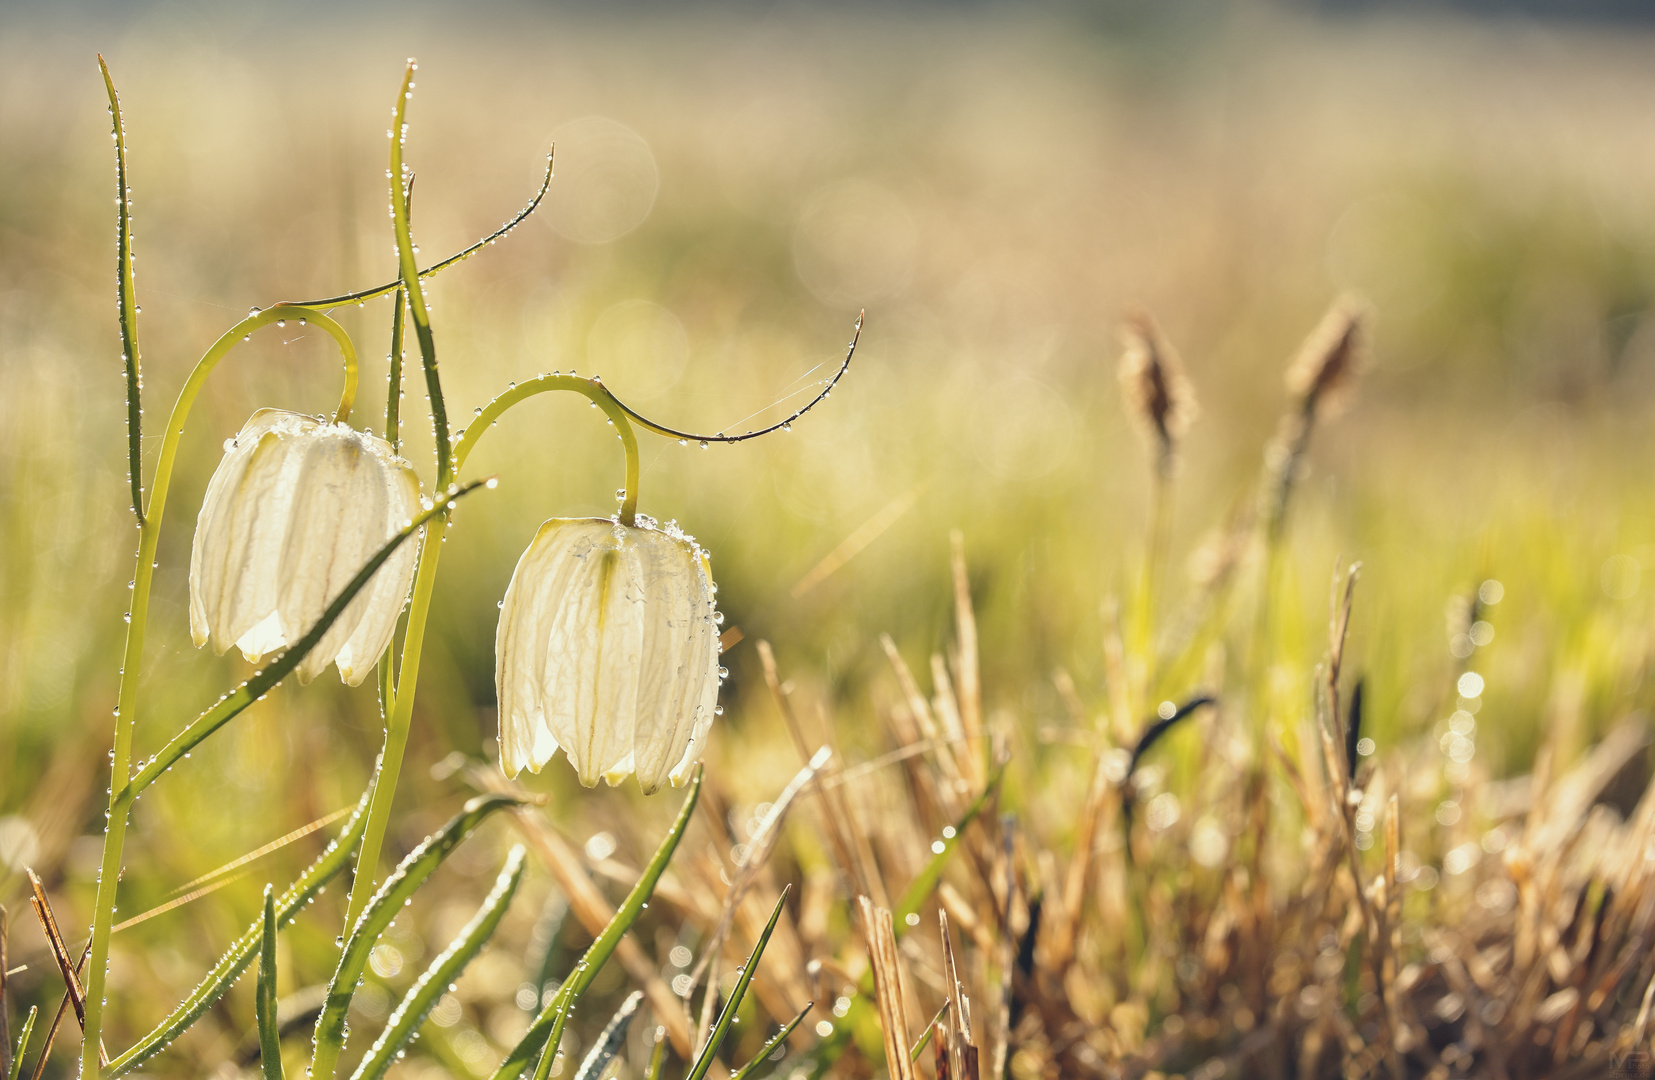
{"type": "Point", "coordinates": [381, 910]}
{"type": "Point", "coordinates": [548, 1025]}
{"type": "Point", "coordinates": [405, 1020]}
{"type": "Point", "coordinates": [270, 1039]}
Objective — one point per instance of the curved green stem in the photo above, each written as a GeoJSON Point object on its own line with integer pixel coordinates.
{"type": "Point", "coordinates": [149, 535]}
{"type": "Point", "coordinates": [438, 267]}
{"type": "Point", "coordinates": [592, 389]}
{"type": "Point", "coordinates": [781, 425]}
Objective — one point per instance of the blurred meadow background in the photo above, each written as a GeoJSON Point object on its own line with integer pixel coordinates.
{"type": "Point", "coordinates": [996, 186]}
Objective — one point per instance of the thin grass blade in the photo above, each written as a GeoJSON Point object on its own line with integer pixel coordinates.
{"type": "Point", "coordinates": [410, 273]}
{"type": "Point", "coordinates": [231, 965]}
{"type": "Point", "coordinates": [775, 1040]}
{"type": "Point", "coordinates": [381, 911]}
{"type": "Point", "coordinates": [727, 1016]}
{"type": "Point", "coordinates": [609, 1043]}
{"type": "Point", "coordinates": [422, 997]}
{"type": "Point", "coordinates": [23, 1043]}
{"type": "Point", "coordinates": [925, 1040]}
{"type": "Point", "coordinates": [126, 298]}
{"type": "Point", "coordinates": [658, 1056]}
{"type": "Point", "coordinates": [914, 897]}
{"type": "Point", "coordinates": [270, 1038]}
{"type": "Point", "coordinates": [548, 1026]}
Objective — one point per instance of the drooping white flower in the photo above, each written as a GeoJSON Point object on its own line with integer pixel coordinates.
{"type": "Point", "coordinates": [294, 510]}
{"type": "Point", "coordinates": [608, 647]}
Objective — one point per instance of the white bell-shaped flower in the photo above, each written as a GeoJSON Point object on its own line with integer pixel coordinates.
{"type": "Point", "coordinates": [608, 647]}
{"type": "Point", "coordinates": [293, 512]}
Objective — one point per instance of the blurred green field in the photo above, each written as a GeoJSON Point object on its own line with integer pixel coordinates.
{"type": "Point", "coordinates": [733, 187]}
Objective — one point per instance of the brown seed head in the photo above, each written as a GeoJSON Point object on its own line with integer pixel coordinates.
{"type": "Point", "coordinates": [1331, 358]}
{"type": "Point", "coordinates": [1157, 394]}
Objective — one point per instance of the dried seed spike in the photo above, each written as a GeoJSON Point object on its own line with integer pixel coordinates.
{"type": "Point", "coordinates": [1331, 357]}
{"type": "Point", "coordinates": [1157, 394]}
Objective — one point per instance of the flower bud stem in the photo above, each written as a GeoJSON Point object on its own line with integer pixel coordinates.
{"type": "Point", "coordinates": [591, 389]}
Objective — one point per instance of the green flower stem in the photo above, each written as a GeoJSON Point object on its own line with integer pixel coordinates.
{"type": "Point", "coordinates": [393, 435]}
{"type": "Point", "coordinates": [397, 725]}
{"type": "Point", "coordinates": [149, 535]}
{"type": "Point", "coordinates": [592, 389]}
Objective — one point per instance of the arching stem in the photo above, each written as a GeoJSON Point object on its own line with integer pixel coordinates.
{"type": "Point", "coordinates": [149, 534]}
{"type": "Point", "coordinates": [591, 389]}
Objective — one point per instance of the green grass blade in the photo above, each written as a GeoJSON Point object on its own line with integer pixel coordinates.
{"type": "Point", "coordinates": [920, 889]}
{"type": "Point", "coordinates": [609, 1043]}
{"type": "Point", "coordinates": [548, 1026]}
{"type": "Point", "coordinates": [231, 965]}
{"type": "Point", "coordinates": [393, 396]}
{"type": "Point", "coordinates": [23, 1043]}
{"type": "Point", "coordinates": [925, 1039]}
{"type": "Point", "coordinates": [270, 1039]}
{"type": "Point", "coordinates": [565, 1004]}
{"type": "Point", "coordinates": [775, 1040]}
{"type": "Point", "coordinates": [422, 997]}
{"type": "Point", "coordinates": [411, 281]}
{"type": "Point", "coordinates": [126, 297]}
{"type": "Point", "coordinates": [229, 706]}
{"type": "Point", "coordinates": [381, 911]}
{"type": "Point", "coordinates": [727, 1016]}
{"type": "Point", "coordinates": [657, 1056]}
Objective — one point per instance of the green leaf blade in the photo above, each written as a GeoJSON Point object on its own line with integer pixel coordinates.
{"type": "Point", "coordinates": [231, 965]}
{"type": "Point", "coordinates": [548, 1025]}
{"type": "Point", "coordinates": [422, 997]}
{"type": "Point", "coordinates": [270, 1040]}
{"type": "Point", "coordinates": [382, 910]}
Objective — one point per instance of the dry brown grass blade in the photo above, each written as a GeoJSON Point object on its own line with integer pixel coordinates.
{"type": "Point", "coordinates": [889, 988]}
{"type": "Point", "coordinates": [589, 905]}
{"type": "Point", "coordinates": [758, 853]}
{"type": "Point", "coordinates": [57, 1022]}
{"type": "Point", "coordinates": [948, 750]}
{"type": "Point", "coordinates": [60, 951]}
{"type": "Point", "coordinates": [961, 1044]}
{"type": "Point", "coordinates": [966, 667]}
{"type": "Point", "coordinates": [851, 850]}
